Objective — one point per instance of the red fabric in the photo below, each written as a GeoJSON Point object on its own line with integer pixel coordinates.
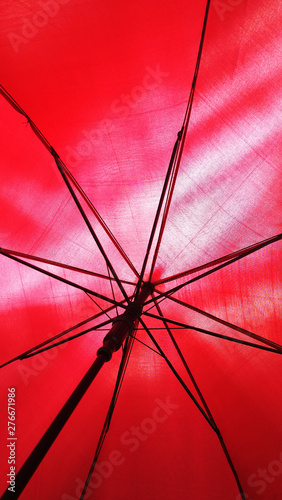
{"type": "Point", "coordinates": [107, 85]}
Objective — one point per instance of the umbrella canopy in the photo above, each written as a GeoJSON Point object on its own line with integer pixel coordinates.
{"type": "Point", "coordinates": [122, 164]}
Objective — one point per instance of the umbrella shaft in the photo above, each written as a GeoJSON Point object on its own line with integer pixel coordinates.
{"type": "Point", "coordinates": [45, 443]}
{"type": "Point", "coordinates": [122, 326]}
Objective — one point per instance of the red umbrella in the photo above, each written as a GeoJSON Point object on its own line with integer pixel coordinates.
{"type": "Point", "coordinates": [140, 200]}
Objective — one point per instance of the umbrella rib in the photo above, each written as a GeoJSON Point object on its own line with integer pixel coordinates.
{"type": "Point", "coordinates": [59, 335]}
{"type": "Point", "coordinates": [182, 139]}
{"type": "Point", "coordinates": [98, 305]}
{"type": "Point", "coordinates": [59, 264]}
{"type": "Point", "coordinates": [151, 328]}
{"type": "Point", "coordinates": [120, 377]}
{"type": "Point", "coordinates": [160, 204]}
{"type": "Point", "coordinates": [276, 348]}
{"type": "Point", "coordinates": [61, 169]}
{"type": "Point", "coordinates": [100, 220]}
{"type": "Point", "coordinates": [59, 278]}
{"type": "Point", "coordinates": [112, 288]}
{"type": "Point", "coordinates": [146, 345]}
{"type": "Point", "coordinates": [222, 443]}
{"type": "Point", "coordinates": [226, 323]}
{"type": "Point", "coordinates": [77, 335]}
{"type": "Point", "coordinates": [58, 162]}
{"type": "Point", "coordinates": [171, 186]}
{"type": "Point", "coordinates": [20, 110]}
{"type": "Point", "coordinates": [216, 261]}
{"type": "Point", "coordinates": [177, 375]}
{"type": "Point", "coordinates": [184, 362]}
{"type": "Point", "coordinates": [221, 266]}
{"type": "Point", "coordinates": [203, 402]}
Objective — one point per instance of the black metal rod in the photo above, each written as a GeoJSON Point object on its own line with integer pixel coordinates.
{"type": "Point", "coordinates": [59, 278]}
{"type": "Point", "coordinates": [35, 458]}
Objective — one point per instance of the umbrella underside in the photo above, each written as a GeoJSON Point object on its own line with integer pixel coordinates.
{"type": "Point", "coordinates": [140, 167]}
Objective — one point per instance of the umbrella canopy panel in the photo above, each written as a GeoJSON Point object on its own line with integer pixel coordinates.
{"type": "Point", "coordinates": [108, 87]}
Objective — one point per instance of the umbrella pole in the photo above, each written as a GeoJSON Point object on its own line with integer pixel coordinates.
{"type": "Point", "coordinates": [122, 327]}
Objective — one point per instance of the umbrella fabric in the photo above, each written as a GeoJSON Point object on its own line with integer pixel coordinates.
{"type": "Point", "coordinates": [107, 85]}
